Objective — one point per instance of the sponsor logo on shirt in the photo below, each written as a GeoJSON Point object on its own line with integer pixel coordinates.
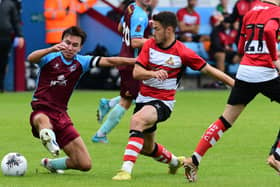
{"type": "Point", "coordinates": [72, 68]}
{"type": "Point", "coordinates": [60, 81]}
{"type": "Point", "coordinates": [169, 61]}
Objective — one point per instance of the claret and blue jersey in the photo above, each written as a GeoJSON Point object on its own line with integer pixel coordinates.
{"type": "Point", "coordinates": [58, 78]}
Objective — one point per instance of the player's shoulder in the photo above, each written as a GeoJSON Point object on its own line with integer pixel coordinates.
{"type": "Point", "coordinates": [181, 11]}
{"type": "Point", "coordinates": [81, 58]}
{"type": "Point", "coordinates": [180, 45]}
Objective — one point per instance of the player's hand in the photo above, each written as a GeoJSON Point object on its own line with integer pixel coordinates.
{"type": "Point", "coordinates": [59, 47]}
{"type": "Point", "coordinates": [161, 74]}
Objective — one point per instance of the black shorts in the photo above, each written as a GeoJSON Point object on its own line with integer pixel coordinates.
{"type": "Point", "coordinates": [163, 112]}
{"type": "Point", "coordinates": [244, 92]}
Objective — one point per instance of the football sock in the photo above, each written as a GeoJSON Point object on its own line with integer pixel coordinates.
{"type": "Point", "coordinates": [112, 121]}
{"type": "Point", "coordinates": [114, 101]}
{"type": "Point", "coordinates": [132, 150]}
{"type": "Point", "coordinates": [209, 138]}
{"type": "Point", "coordinates": [161, 154]}
{"type": "Point", "coordinates": [277, 151]}
{"type": "Point", "coordinates": [58, 163]}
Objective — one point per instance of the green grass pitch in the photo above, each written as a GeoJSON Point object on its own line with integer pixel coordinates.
{"type": "Point", "coordinates": [237, 160]}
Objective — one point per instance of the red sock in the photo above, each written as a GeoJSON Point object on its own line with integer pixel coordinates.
{"type": "Point", "coordinates": [277, 151]}
{"type": "Point", "coordinates": [161, 154]}
{"type": "Point", "coordinates": [133, 148]}
{"type": "Point", "coordinates": [211, 136]}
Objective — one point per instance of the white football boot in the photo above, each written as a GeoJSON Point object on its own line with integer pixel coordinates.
{"type": "Point", "coordinates": [49, 141]}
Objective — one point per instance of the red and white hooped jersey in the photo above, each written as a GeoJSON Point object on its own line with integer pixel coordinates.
{"type": "Point", "coordinates": [174, 60]}
{"type": "Point", "coordinates": [259, 48]}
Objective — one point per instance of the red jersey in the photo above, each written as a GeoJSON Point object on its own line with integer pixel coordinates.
{"type": "Point", "coordinates": [258, 43]}
{"type": "Point", "coordinates": [189, 18]}
{"type": "Point", "coordinates": [257, 48]}
{"type": "Point", "coordinates": [227, 37]}
{"type": "Point", "coordinates": [174, 60]}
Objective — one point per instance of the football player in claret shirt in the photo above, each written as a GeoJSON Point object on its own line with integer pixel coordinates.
{"type": "Point", "coordinates": [60, 70]}
{"type": "Point", "coordinates": [257, 73]}
{"type": "Point", "coordinates": [133, 25]}
{"type": "Point", "coordinates": [159, 66]}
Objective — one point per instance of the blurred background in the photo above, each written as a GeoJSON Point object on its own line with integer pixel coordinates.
{"type": "Point", "coordinates": [103, 39]}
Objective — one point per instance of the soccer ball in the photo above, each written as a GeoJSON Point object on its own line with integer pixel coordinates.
{"type": "Point", "coordinates": [14, 164]}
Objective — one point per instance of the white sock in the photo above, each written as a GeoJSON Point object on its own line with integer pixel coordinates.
{"type": "Point", "coordinates": [127, 166]}
{"type": "Point", "coordinates": [174, 161]}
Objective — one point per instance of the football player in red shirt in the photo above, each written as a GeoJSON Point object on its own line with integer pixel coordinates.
{"type": "Point", "coordinates": [159, 66]}
{"type": "Point", "coordinates": [258, 73]}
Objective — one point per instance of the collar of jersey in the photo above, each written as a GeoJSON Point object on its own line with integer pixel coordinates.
{"type": "Point", "coordinates": [65, 61]}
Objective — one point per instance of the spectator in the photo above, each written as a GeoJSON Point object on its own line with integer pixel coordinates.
{"type": "Point", "coordinates": [189, 21]}
{"type": "Point", "coordinates": [115, 15]}
{"type": "Point", "coordinates": [223, 45]}
{"type": "Point", "coordinates": [10, 27]}
{"type": "Point", "coordinates": [61, 14]}
{"type": "Point", "coordinates": [222, 10]}
{"type": "Point", "coordinates": [223, 49]}
{"type": "Point", "coordinates": [240, 8]}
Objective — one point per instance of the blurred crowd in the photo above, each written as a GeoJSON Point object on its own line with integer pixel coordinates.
{"type": "Point", "coordinates": [220, 45]}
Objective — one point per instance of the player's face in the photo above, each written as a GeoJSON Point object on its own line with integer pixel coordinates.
{"type": "Point", "coordinates": [159, 33]}
{"type": "Point", "coordinates": [192, 3]}
{"type": "Point", "coordinates": [73, 44]}
{"type": "Point", "coordinates": [146, 3]}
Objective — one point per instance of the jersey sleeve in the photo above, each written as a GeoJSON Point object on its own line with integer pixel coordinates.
{"type": "Point", "coordinates": [143, 58]}
{"type": "Point", "coordinates": [86, 61]}
{"type": "Point", "coordinates": [138, 24]}
{"type": "Point", "coordinates": [242, 39]}
{"type": "Point", "coordinates": [180, 15]}
{"type": "Point", "coordinates": [191, 59]}
{"type": "Point", "coordinates": [47, 58]}
{"type": "Point", "coordinates": [198, 18]}
{"type": "Point", "coordinates": [270, 30]}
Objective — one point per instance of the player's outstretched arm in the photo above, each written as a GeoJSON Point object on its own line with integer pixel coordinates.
{"type": "Point", "coordinates": [116, 61]}
{"type": "Point", "coordinates": [36, 55]}
{"type": "Point", "coordinates": [140, 73]}
{"type": "Point", "coordinates": [217, 74]}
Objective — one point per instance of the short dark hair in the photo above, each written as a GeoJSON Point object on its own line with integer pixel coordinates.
{"type": "Point", "coordinates": [75, 31]}
{"type": "Point", "coordinates": [166, 19]}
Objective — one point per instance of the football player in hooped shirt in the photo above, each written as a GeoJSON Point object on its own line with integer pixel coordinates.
{"type": "Point", "coordinates": [159, 66]}
{"type": "Point", "coordinates": [258, 72]}
{"type": "Point", "coordinates": [60, 70]}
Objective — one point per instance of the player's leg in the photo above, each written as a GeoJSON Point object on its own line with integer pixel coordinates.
{"type": "Point", "coordinates": [75, 149]}
{"type": "Point", "coordinates": [143, 119]}
{"type": "Point", "coordinates": [274, 156]}
{"type": "Point", "coordinates": [77, 158]}
{"type": "Point", "coordinates": [112, 121]}
{"type": "Point", "coordinates": [104, 107]}
{"type": "Point", "coordinates": [128, 92]}
{"type": "Point", "coordinates": [272, 90]}
{"type": "Point", "coordinates": [209, 139]}
{"type": "Point", "coordinates": [159, 153]}
{"type": "Point", "coordinates": [41, 124]}
{"type": "Point", "coordinates": [243, 93]}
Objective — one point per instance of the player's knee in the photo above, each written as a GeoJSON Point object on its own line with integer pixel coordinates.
{"type": "Point", "coordinates": [137, 121]}
{"type": "Point", "coordinates": [85, 165]}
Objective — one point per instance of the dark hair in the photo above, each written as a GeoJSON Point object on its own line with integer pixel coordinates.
{"type": "Point", "coordinates": [166, 19]}
{"type": "Point", "coordinates": [75, 31]}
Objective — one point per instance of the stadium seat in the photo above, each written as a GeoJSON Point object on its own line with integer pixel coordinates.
{"type": "Point", "coordinates": [193, 46]}
{"type": "Point", "coordinates": [205, 29]}
{"type": "Point", "coordinates": [232, 69]}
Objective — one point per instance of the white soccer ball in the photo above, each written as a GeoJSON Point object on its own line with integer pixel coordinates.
{"type": "Point", "coordinates": [14, 164]}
